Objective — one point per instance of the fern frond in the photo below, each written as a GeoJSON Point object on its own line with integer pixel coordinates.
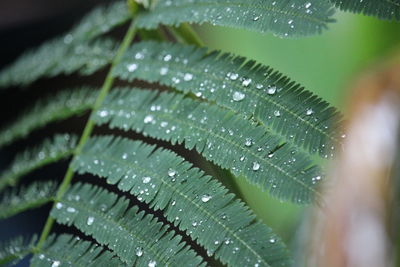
{"type": "Point", "coordinates": [99, 21]}
{"type": "Point", "coordinates": [196, 203]}
{"type": "Point", "coordinates": [14, 250]}
{"type": "Point", "coordinates": [50, 151]}
{"type": "Point", "coordinates": [383, 9]}
{"type": "Point", "coordinates": [67, 250]}
{"type": "Point", "coordinates": [135, 237]}
{"type": "Point", "coordinates": [56, 57]}
{"type": "Point", "coordinates": [283, 18]}
{"type": "Point", "coordinates": [223, 137]}
{"type": "Point", "coordinates": [17, 200]}
{"type": "Point", "coordinates": [63, 105]}
{"type": "Point", "coordinates": [257, 91]}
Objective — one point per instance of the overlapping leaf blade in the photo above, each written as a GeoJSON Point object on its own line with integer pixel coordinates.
{"type": "Point", "coordinates": [18, 200]}
{"type": "Point", "coordinates": [135, 237]}
{"type": "Point", "coordinates": [66, 250]}
{"type": "Point", "coordinates": [50, 151]}
{"type": "Point", "coordinates": [196, 203]}
{"type": "Point", "coordinates": [13, 250]}
{"type": "Point", "coordinates": [223, 137]}
{"type": "Point", "coordinates": [283, 18]}
{"type": "Point", "coordinates": [57, 57]}
{"type": "Point", "coordinates": [383, 9]}
{"type": "Point", "coordinates": [60, 106]}
{"type": "Point", "coordinates": [244, 87]}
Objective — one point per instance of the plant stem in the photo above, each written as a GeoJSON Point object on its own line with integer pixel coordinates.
{"type": "Point", "coordinates": [129, 36]}
{"type": "Point", "coordinates": [186, 34]}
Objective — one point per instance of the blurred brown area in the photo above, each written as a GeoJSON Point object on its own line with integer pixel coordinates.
{"type": "Point", "coordinates": [354, 225]}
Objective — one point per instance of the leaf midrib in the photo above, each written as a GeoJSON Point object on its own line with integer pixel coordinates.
{"type": "Point", "coordinates": [176, 189]}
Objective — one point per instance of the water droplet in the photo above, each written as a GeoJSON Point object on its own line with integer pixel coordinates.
{"type": "Point", "coordinates": [152, 263]}
{"type": "Point", "coordinates": [259, 86]}
{"type": "Point", "coordinates": [308, 5]}
{"type": "Point", "coordinates": [56, 264]}
{"type": "Point", "coordinates": [194, 224]}
{"type": "Point", "coordinates": [146, 180]}
{"type": "Point", "coordinates": [256, 18]}
{"type": "Point", "coordinates": [272, 240]}
{"type": "Point", "coordinates": [167, 58]}
{"type": "Point", "coordinates": [171, 173]}
{"type": "Point", "coordinates": [238, 96]}
{"type": "Point", "coordinates": [205, 198]}
{"type": "Point", "coordinates": [309, 112]}
{"type": "Point", "coordinates": [271, 90]}
{"type": "Point", "coordinates": [139, 251]}
{"type": "Point", "coordinates": [233, 76]}
{"type": "Point", "coordinates": [148, 119]}
{"type": "Point", "coordinates": [132, 67]}
{"type": "Point", "coordinates": [90, 220]}
{"type": "Point", "coordinates": [124, 156]}
{"type": "Point", "coordinates": [103, 113]}
{"type": "Point", "coordinates": [188, 77]}
{"type": "Point", "coordinates": [71, 209]}
{"type": "Point", "coordinates": [163, 71]}
{"type": "Point", "coordinates": [246, 82]}
{"type": "Point", "coordinates": [277, 113]}
{"type": "Point", "coordinates": [248, 142]}
{"type": "Point", "coordinates": [59, 205]}
{"type": "Point", "coordinates": [256, 166]}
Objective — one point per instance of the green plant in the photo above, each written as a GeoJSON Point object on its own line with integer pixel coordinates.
{"type": "Point", "coordinates": [243, 117]}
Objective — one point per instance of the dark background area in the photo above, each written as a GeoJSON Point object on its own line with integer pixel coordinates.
{"type": "Point", "coordinates": [25, 24]}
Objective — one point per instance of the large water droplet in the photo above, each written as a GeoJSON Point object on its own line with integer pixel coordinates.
{"type": "Point", "coordinates": [188, 77]}
{"type": "Point", "coordinates": [271, 90]}
{"type": "Point", "coordinates": [152, 263]}
{"type": "Point", "coordinates": [148, 119]}
{"type": "Point", "coordinates": [90, 220]}
{"type": "Point", "coordinates": [206, 198]}
{"type": "Point", "coordinates": [238, 96]}
{"type": "Point", "coordinates": [146, 180]}
{"type": "Point", "coordinates": [132, 67]}
{"type": "Point", "coordinates": [171, 173]}
{"type": "Point", "coordinates": [246, 82]}
{"type": "Point", "coordinates": [248, 142]}
{"type": "Point", "coordinates": [71, 209]}
{"type": "Point", "coordinates": [139, 251]}
{"type": "Point", "coordinates": [256, 166]}
{"type": "Point", "coordinates": [56, 264]}
{"type": "Point", "coordinates": [277, 113]}
{"type": "Point", "coordinates": [309, 112]}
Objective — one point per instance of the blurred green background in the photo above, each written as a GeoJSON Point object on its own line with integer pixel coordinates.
{"type": "Point", "coordinates": [325, 64]}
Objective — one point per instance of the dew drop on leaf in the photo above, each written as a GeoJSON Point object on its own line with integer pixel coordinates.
{"type": "Point", "coordinates": [188, 77]}
{"type": "Point", "coordinates": [277, 113]}
{"type": "Point", "coordinates": [309, 112]}
{"type": "Point", "coordinates": [248, 142]}
{"type": "Point", "coordinates": [271, 90]}
{"type": "Point", "coordinates": [152, 263]}
{"type": "Point", "coordinates": [148, 119]}
{"type": "Point", "coordinates": [90, 220]}
{"type": "Point", "coordinates": [238, 96]}
{"type": "Point", "coordinates": [139, 251]}
{"type": "Point", "coordinates": [246, 82]}
{"type": "Point", "coordinates": [132, 67]}
{"type": "Point", "coordinates": [171, 173]}
{"type": "Point", "coordinates": [205, 198]}
{"type": "Point", "coordinates": [256, 166]}
{"type": "Point", "coordinates": [56, 264]}
{"type": "Point", "coordinates": [146, 180]}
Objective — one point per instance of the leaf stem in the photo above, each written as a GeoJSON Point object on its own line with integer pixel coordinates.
{"type": "Point", "coordinates": [187, 35]}
{"type": "Point", "coordinates": [129, 36]}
